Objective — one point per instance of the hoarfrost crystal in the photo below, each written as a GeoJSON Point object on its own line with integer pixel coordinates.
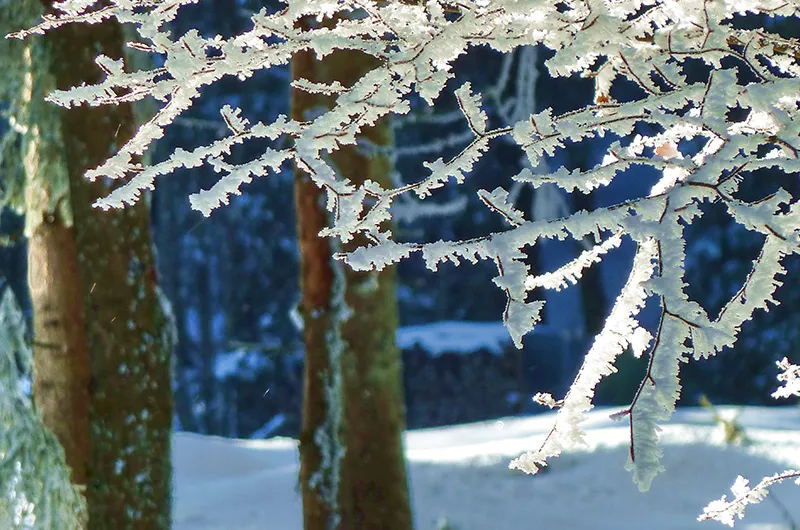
{"type": "Point", "coordinates": [650, 44]}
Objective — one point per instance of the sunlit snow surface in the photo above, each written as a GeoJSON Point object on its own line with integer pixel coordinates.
{"type": "Point", "coordinates": [455, 337]}
{"type": "Point", "coordinates": [460, 473]}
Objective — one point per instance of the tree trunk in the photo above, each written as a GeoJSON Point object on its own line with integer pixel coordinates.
{"type": "Point", "coordinates": [61, 356]}
{"type": "Point", "coordinates": [102, 358]}
{"type": "Point", "coordinates": [352, 470]}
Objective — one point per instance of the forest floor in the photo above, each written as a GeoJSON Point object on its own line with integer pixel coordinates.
{"type": "Point", "coordinates": [459, 476]}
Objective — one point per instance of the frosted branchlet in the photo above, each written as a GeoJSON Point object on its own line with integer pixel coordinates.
{"type": "Point", "coordinates": [647, 43]}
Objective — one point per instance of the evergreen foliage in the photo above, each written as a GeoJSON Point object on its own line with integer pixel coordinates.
{"type": "Point", "coordinates": [36, 489]}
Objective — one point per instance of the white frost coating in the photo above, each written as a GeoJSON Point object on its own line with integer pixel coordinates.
{"type": "Point", "coordinates": [498, 200]}
{"type": "Point", "coordinates": [571, 272]}
{"type": "Point", "coordinates": [646, 42]}
{"type": "Point", "coordinates": [790, 378]}
{"type": "Point", "coordinates": [655, 403]}
{"type": "Point", "coordinates": [327, 437]}
{"type": "Point", "coordinates": [725, 511]}
{"type": "Point", "coordinates": [598, 363]}
{"type": "Point", "coordinates": [470, 105]}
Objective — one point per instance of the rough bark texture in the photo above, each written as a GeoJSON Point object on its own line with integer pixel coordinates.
{"type": "Point", "coordinates": [62, 374]}
{"type": "Point", "coordinates": [61, 356]}
{"type": "Point", "coordinates": [119, 379]}
{"type": "Point", "coordinates": [316, 281]}
{"type": "Point", "coordinates": [369, 484]}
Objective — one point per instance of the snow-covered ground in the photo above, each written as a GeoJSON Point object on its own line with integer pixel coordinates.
{"type": "Point", "coordinates": [460, 474]}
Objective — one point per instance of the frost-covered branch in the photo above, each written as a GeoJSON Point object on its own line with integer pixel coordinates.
{"type": "Point", "coordinates": [689, 64]}
{"type": "Point", "coordinates": [790, 378]}
{"type": "Point", "coordinates": [723, 510]}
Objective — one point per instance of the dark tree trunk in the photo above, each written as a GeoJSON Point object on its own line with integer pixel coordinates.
{"type": "Point", "coordinates": [93, 278]}
{"type": "Point", "coordinates": [62, 373]}
{"type": "Point", "coordinates": [352, 471]}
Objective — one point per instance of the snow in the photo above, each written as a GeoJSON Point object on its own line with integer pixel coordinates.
{"type": "Point", "coordinates": [268, 428]}
{"type": "Point", "coordinates": [455, 337]}
{"type": "Point", "coordinates": [460, 474]}
{"type": "Point", "coordinates": [238, 363]}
